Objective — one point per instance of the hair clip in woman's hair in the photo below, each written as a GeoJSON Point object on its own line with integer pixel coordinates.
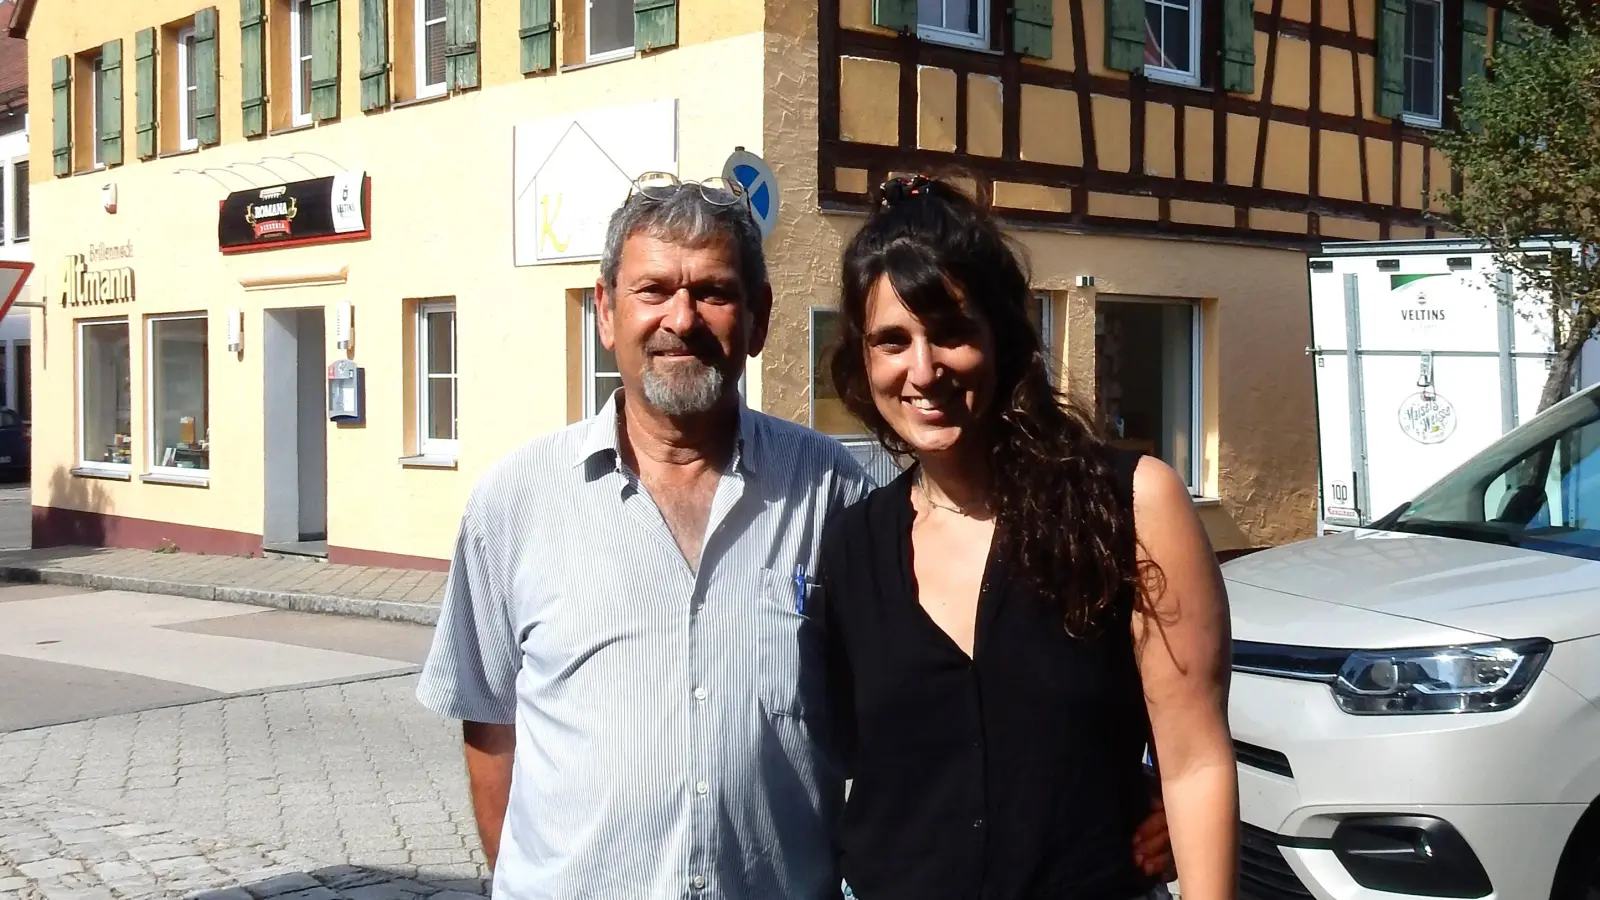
{"type": "Point", "coordinates": [902, 188]}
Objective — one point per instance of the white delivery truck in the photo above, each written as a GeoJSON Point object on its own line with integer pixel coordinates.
{"type": "Point", "coordinates": [1425, 353]}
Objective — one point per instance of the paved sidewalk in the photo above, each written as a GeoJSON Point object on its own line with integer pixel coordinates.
{"type": "Point", "coordinates": [406, 595]}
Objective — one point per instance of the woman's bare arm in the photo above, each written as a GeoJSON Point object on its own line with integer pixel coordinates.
{"type": "Point", "coordinates": [1182, 640]}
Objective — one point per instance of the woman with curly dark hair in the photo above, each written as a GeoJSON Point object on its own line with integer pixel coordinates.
{"type": "Point", "coordinates": [1018, 616]}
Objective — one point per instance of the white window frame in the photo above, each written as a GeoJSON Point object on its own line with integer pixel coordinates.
{"type": "Point", "coordinates": [120, 470]}
{"type": "Point", "coordinates": [13, 216]}
{"type": "Point", "coordinates": [153, 466]}
{"type": "Point", "coordinates": [978, 40]}
{"type": "Point", "coordinates": [588, 32]}
{"type": "Point", "coordinates": [1411, 118]}
{"type": "Point", "coordinates": [1196, 385]}
{"type": "Point", "coordinates": [437, 448]}
{"type": "Point", "coordinates": [187, 89]}
{"type": "Point", "coordinates": [424, 89]}
{"type": "Point", "coordinates": [299, 13]}
{"type": "Point", "coordinates": [96, 81]}
{"type": "Point", "coordinates": [1191, 77]}
{"type": "Point", "coordinates": [591, 336]}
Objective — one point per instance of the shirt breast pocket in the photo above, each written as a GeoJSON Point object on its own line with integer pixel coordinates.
{"type": "Point", "coordinates": [789, 645]}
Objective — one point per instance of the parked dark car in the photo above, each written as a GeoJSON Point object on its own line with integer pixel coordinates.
{"type": "Point", "coordinates": [16, 445]}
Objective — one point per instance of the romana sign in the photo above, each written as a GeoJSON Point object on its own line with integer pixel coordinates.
{"type": "Point", "coordinates": [81, 286]}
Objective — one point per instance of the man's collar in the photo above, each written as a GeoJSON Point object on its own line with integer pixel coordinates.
{"type": "Point", "coordinates": [602, 436]}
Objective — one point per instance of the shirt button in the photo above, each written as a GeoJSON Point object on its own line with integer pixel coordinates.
{"type": "Point", "coordinates": [697, 882]}
{"type": "Point", "coordinates": [699, 693]}
{"type": "Point", "coordinates": [977, 823]}
{"type": "Point", "coordinates": [700, 787]}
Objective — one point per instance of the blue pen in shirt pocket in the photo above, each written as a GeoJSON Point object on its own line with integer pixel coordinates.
{"type": "Point", "coordinates": [800, 590]}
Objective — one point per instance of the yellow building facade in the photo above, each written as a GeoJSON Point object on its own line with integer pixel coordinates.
{"type": "Point", "coordinates": [311, 266]}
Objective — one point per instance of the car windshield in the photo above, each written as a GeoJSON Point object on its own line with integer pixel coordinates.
{"type": "Point", "coordinates": [1538, 487]}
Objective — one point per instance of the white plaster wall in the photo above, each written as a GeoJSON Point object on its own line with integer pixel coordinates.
{"type": "Point", "coordinates": [14, 328]}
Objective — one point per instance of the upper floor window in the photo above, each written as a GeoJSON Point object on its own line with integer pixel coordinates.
{"type": "Point", "coordinates": [961, 22]}
{"type": "Point", "coordinates": [430, 20]}
{"type": "Point", "coordinates": [610, 29]}
{"type": "Point", "coordinates": [300, 59]}
{"type": "Point", "coordinates": [1424, 63]}
{"type": "Point", "coordinates": [188, 139]}
{"type": "Point", "coordinates": [97, 81]}
{"type": "Point", "coordinates": [17, 228]}
{"type": "Point", "coordinates": [1172, 40]}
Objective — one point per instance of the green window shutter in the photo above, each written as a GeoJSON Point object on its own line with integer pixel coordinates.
{"type": "Point", "coordinates": [538, 36]}
{"type": "Point", "coordinates": [1125, 35]}
{"type": "Point", "coordinates": [460, 44]}
{"type": "Point", "coordinates": [1511, 28]}
{"type": "Point", "coordinates": [252, 66]}
{"type": "Point", "coordinates": [1031, 21]}
{"type": "Point", "coordinates": [111, 102]}
{"type": "Point", "coordinates": [324, 59]}
{"type": "Point", "coordinates": [374, 54]}
{"type": "Point", "coordinates": [1391, 60]}
{"type": "Point", "coordinates": [1239, 46]}
{"type": "Point", "coordinates": [1474, 39]}
{"type": "Point", "coordinates": [900, 15]}
{"type": "Point", "coordinates": [208, 130]}
{"type": "Point", "coordinates": [655, 24]}
{"type": "Point", "coordinates": [144, 90]}
{"type": "Point", "coordinates": [61, 99]}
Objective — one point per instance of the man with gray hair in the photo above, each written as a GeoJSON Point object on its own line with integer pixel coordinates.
{"type": "Point", "coordinates": [630, 605]}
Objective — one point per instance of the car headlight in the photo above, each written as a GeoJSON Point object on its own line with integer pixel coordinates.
{"type": "Point", "coordinates": [1476, 678]}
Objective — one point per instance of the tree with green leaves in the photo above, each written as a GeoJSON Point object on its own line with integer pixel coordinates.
{"type": "Point", "coordinates": [1529, 154]}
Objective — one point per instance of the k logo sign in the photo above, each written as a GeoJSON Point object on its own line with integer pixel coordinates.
{"type": "Point", "coordinates": [759, 183]}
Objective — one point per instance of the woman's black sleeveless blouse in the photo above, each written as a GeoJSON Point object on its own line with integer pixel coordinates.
{"type": "Point", "coordinates": [1016, 774]}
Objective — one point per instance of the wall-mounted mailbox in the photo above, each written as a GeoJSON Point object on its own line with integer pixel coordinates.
{"type": "Point", "coordinates": [345, 392]}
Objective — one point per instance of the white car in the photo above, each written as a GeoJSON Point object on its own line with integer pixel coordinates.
{"type": "Point", "coordinates": [1416, 705]}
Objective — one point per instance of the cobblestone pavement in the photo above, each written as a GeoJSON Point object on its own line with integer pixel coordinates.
{"type": "Point", "coordinates": [351, 790]}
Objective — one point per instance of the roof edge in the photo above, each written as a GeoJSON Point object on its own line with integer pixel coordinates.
{"type": "Point", "coordinates": [21, 18]}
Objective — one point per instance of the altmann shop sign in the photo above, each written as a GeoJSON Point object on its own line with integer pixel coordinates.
{"type": "Point", "coordinates": [81, 286]}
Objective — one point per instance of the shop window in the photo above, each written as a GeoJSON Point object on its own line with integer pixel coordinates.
{"type": "Point", "coordinates": [180, 395]}
{"type": "Point", "coordinates": [437, 396]}
{"type": "Point", "coordinates": [430, 39]}
{"type": "Point", "coordinates": [601, 378]}
{"type": "Point", "coordinates": [25, 381]}
{"type": "Point", "coordinates": [1424, 63]}
{"type": "Point", "coordinates": [1147, 379]}
{"type": "Point", "coordinates": [188, 87]}
{"type": "Point", "coordinates": [105, 407]}
{"type": "Point", "coordinates": [300, 60]}
{"type": "Point", "coordinates": [964, 23]}
{"type": "Point", "coordinates": [609, 27]}
{"type": "Point", "coordinates": [1172, 40]}
{"type": "Point", "coordinates": [17, 229]}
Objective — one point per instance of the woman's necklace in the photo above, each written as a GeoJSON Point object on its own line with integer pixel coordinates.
{"type": "Point", "coordinates": [922, 485]}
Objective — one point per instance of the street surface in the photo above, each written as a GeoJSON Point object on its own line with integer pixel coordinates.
{"type": "Point", "coordinates": [156, 746]}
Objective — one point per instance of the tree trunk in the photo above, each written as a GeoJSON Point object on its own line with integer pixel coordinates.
{"type": "Point", "coordinates": [1559, 381]}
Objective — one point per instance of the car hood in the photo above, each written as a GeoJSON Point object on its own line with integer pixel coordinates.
{"type": "Point", "coordinates": [1457, 585]}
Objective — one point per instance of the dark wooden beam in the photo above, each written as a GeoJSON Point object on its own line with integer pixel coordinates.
{"type": "Point", "coordinates": [1263, 122]}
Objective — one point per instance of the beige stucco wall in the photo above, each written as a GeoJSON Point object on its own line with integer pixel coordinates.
{"type": "Point", "coordinates": [441, 176]}
{"type": "Point", "coordinates": [1259, 459]}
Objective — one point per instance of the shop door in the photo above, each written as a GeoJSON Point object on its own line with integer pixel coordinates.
{"type": "Point", "coordinates": [296, 427]}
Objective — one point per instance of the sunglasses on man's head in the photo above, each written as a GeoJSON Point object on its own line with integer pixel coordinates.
{"type": "Point", "coordinates": [662, 186]}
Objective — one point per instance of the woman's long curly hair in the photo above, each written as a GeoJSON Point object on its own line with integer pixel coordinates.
{"type": "Point", "coordinates": [1053, 489]}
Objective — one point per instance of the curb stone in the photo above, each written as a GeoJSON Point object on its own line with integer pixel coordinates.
{"type": "Point", "coordinates": [415, 613]}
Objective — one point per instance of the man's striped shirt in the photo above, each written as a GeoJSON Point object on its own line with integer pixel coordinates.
{"type": "Point", "coordinates": [670, 737]}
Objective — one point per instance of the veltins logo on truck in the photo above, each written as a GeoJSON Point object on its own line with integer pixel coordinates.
{"type": "Point", "coordinates": [1417, 309]}
{"type": "Point", "coordinates": [1427, 418]}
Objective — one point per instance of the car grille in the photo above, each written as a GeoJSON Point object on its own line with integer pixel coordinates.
{"type": "Point", "coordinates": [1262, 758]}
{"type": "Point", "coordinates": [1263, 872]}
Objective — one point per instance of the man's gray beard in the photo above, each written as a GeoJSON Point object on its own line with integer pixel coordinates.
{"type": "Point", "coordinates": [685, 393]}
